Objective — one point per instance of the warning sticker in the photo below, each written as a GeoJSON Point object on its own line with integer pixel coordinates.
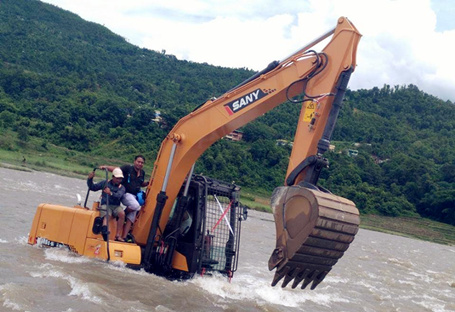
{"type": "Point", "coordinates": [309, 111]}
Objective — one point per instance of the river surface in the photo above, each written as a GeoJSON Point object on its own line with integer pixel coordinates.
{"type": "Point", "coordinates": [379, 272]}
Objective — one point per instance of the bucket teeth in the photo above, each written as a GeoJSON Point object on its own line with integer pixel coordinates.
{"type": "Point", "coordinates": [314, 229]}
{"type": "Point", "coordinates": [279, 275]}
{"type": "Point", "coordinates": [296, 272]}
{"type": "Point", "coordinates": [289, 277]}
{"type": "Point", "coordinates": [318, 279]}
{"type": "Point", "coordinates": [308, 280]}
{"type": "Point", "coordinates": [299, 277]}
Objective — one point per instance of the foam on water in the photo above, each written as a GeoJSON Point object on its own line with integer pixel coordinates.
{"type": "Point", "coordinates": [431, 304]}
{"type": "Point", "coordinates": [410, 283]}
{"type": "Point", "coordinates": [78, 288]}
{"type": "Point", "coordinates": [121, 267]}
{"type": "Point", "coordinates": [12, 297]}
{"type": "Point", "coordinates": [371, 288]}
{"type": "Point", "coordinates": [12, 305]}
{"type": "Point", "coordinates": [30, 186]}
{"type": "Point", "coordinates": [159, 308]}
{"type": "Point", "coordinates": [371, 275]}
{"type": "Point", "coordinates": [335, 280]}
{"type": "Point", "coordinates": [43, 187]}
{"type": "Point", "coordinates": [22, 240]}
{"type": "Point", "coordinates": [63, 254]}
{"type": "Point", "coordinates": [7, 302]}
{"type": "Point", "coordinates": [248, 287]}
{"type": "Point", "coordinates": [403, 263]}
{"type": "Point", "coordinates": [422, 277]}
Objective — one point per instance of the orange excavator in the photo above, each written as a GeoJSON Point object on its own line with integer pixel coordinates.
{"type": "Point", "coordinates": [190, 224]}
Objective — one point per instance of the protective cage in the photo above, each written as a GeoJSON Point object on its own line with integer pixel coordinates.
{"type": "Point", "coordinates": [221, 226]}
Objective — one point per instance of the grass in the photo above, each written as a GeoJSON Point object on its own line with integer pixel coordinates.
{"type": "Point", "coordinates": [35, 155]}
{"type": "Point", "coordinates": [255, 202]}
{"type": "Point", "coordinates": [415, 227]}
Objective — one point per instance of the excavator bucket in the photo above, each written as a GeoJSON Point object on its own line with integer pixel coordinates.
{"type": "Point", "coordinates": [313, 230]}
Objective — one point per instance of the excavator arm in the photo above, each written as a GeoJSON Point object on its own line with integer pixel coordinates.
{"type": "Point", "coordinates": [310, 222]}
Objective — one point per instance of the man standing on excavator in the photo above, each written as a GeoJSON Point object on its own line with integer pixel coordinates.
{"type": "Point", "coordinates": [133, 180]}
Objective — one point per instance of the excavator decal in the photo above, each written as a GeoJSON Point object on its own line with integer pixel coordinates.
{"type": "Point", "coordinates": [309, 111]}
{"type": "Point", "coordinates": [191, 224]}
{"type": "Point", "coordinates": [238, 104]}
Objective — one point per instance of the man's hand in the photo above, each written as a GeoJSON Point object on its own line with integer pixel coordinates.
{"type": "Point", "coordinates": [91, 175]}
{"type": "Point", "coordinates": [107, 191]}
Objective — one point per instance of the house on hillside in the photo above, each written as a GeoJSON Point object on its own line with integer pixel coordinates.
{"type": "Point", "coordinates": [235, 135]}
{"type": "Point", "coordinates": [158, 117]}
{"type": "Point", "coordinates": [282, 142]}
{"type": "Point", "coordinates": [352, 152]}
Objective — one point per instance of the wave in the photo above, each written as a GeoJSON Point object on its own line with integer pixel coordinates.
{"type": "Point", "coordinates": [78, 288]}
{"type": "Point", "coordinates": [63, 254]}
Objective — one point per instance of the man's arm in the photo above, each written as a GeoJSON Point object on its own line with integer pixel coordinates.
{"type": "Point", "coordinates": [119, 193]}
{"type": "Point", "coordinates": [94, 187]}
{"type": "Point", "coordinates": [109, 168]}
{"type": "Point", "coordinates": [145, 183]}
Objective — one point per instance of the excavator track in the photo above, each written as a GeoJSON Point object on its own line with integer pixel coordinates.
{"type": "Point", "coordinates": [313, 230]}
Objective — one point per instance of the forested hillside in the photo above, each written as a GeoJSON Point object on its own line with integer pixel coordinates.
{"type": "Point", "coordinates": [62, 76]}
{"type": "Point", "coordinates": [73, 83]}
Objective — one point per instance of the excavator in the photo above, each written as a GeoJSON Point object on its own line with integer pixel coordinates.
{"type": "Point", "coordinates": [191, 224]}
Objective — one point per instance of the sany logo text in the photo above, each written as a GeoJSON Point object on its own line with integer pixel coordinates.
{"type": "Point", "coordinates": [244, 101]}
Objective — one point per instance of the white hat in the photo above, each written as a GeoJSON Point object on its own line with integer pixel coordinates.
{"type": "Point", "coordinates": [117, 172]}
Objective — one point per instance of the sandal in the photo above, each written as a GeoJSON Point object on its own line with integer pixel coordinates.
{"type": "Point", "coordinates": [119, 239]}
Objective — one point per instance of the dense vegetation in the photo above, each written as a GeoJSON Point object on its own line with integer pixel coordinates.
{"type": "Point", "coordinates": [75, 84]}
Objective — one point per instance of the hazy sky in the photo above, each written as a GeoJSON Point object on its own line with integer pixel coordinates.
{"type": "Point", "coordinates": [404, 41]}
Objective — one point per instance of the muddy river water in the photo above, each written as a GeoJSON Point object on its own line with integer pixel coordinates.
{"type": "Point", "coordinates": [379, 272]}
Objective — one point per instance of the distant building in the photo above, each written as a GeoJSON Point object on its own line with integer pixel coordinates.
{"type": "Point", "coordinates": [378, 160]}
{"type": "Point", "coordinates": [158, 117]}
{"type": "Point", "coordinates": [235, 135]}
{"type": "Point", "coordinates": [360, 144]}
{"type": "Point", "coordinates": [352, 152]}
{"type": "Point", "coordinates": [283, 142]}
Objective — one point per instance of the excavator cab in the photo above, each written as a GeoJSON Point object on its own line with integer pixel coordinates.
{"type": "Point", "coordinates": [203, 232]}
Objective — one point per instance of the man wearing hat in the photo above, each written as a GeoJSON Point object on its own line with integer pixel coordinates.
{"type": "Point", "coordinates": [134, 179]}
{"type": "Point", "coordinates": [112, 195]}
